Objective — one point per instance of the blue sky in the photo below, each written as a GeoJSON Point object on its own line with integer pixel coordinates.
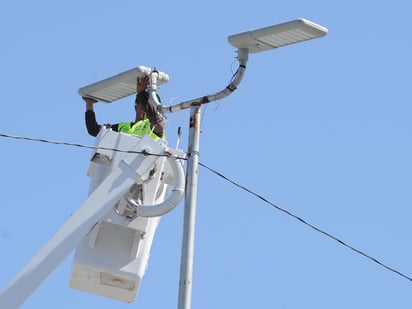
{"type": "Point", "coordinates": [320, 128]}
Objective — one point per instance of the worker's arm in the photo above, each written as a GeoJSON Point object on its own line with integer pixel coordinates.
{"type": "Point", "coordinates": [90, 118]}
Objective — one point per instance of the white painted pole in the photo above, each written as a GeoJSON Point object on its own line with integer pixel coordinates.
{"type": "Point", "coordinates": [186, 261]}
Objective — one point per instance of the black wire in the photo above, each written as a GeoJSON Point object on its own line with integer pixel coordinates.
{"type": "Point", "coordinates": [83, 146]}
{"type": "Point", "coordinates": [234, 183]}
{"type": "Point", "coordinates": [307, 223]}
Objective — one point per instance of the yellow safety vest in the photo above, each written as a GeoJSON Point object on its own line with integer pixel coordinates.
{"type": "Point", "coordinates": [140, 128]}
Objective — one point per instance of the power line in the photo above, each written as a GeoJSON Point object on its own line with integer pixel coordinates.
{"type": "Point", "coordinates": [307, 223]}
{"type": "Point", "coordinates": [81, 145]}
{"type": "Point", "coordinates": [341, 242]}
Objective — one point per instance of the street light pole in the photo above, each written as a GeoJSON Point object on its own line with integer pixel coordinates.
{"type": "Point", "coordinates": [189, 218]}
{"type": "Point", "coordinates": [247, 42]}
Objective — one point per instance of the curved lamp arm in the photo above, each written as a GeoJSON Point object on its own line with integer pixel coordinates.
{"type": "Point", "coordinates": [243, 55]}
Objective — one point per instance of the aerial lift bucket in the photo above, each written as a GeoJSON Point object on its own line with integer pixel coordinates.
{"type": "Point", "coordinates": [112, 259]}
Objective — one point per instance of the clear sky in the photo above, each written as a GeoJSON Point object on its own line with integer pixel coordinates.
{"type": "Point", "coordinates": [321, 129]}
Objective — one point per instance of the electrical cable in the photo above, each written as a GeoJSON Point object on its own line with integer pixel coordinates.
{"type": "Point", "coordinates": [307, 223]}
{"type": "Point", "coordinates": [341, 242]}
{"type": "Point", "coordinates": [82, 146]}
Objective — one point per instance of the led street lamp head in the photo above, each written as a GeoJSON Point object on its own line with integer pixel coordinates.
{"type": "Point", "coordinates": [120, 85]}
{"type": "Point", "coordinates": [275, 36]}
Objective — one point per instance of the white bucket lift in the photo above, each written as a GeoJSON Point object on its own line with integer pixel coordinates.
{"type": "Point", "coordinates": [113, 229]}
{"type": "Point", "coordinates": [112, 259]}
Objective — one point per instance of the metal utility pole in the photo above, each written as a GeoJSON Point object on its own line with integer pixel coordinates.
{"type": "Point", "coordinates": [188, 239]}
{"type": "Point", "coordinates": [247, 42]}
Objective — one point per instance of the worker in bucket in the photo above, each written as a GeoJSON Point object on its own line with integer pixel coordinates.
{"type": "Point", "coordinates": [147, 122]}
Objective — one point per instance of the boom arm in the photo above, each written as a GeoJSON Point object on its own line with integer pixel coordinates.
{"type": "Point", "coordinates": [115, 185]}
